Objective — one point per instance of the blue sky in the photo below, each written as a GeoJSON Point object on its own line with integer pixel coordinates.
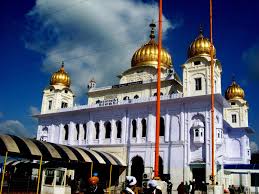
{"type": "Point", "coordinates": [97, 38]}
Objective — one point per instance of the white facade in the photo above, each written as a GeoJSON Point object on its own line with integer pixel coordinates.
{"type": "Point", "coordinates": [121, 119]}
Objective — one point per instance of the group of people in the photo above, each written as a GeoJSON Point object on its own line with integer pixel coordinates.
{"type": "Point", "coordinates": [191, 187]}
{"type": "Point", "coordinates": [130, 185]}
{"type": "Point", "coordinates": [131, 182]}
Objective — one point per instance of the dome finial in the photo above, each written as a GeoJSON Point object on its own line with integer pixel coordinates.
{"type": "Point", "coordinates": [201, 29]}
{"type": "Point", "coordinates": [62, 66]}
{"type": "Point", "coordinates": [152, 26]}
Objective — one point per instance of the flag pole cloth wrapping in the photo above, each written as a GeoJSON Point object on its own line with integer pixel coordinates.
{"type": "Point", "coordinates": [34, 149]}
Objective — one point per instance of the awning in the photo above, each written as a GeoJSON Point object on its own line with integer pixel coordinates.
{"type": "Point", "coordinates": [34, 149]}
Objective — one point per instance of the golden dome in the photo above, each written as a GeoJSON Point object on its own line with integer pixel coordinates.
{"type": "Point", "coordinates": [147, 55]}
{"type": "Point", "coordinates": [200, 46]}
{"type": "Point", "coordinates": [60, 77]}
{"type": "Point", "coordinates": [234, 92]}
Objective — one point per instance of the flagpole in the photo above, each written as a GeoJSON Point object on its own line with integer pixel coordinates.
{"type": "Point", "coordinates": [212, 102]}
{"type": "Point", "coordinates": [156, 171]}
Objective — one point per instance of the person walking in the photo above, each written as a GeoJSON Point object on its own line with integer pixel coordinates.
{"type": "Point", "coordinates": [131, 182]}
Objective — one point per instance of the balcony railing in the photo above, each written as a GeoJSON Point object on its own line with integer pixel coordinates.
{"type": "Point", "coordinates": [117, 102]}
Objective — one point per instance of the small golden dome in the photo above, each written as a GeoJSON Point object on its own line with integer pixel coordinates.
{"type": "Point", "coordinates": [234, 92]}
{"type": "Point", "coordinates": [147, 55]}
{"type": "Point", "coordinates": [200, 46]}
{"type": "Point", "coordinates": [60, 77]}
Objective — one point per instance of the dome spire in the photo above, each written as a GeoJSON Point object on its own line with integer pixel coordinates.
{"type": "Point", "coordinates": [62, 66]}
{"type": "Point", "coordinates": [152, 32]}
{"type": "Point", "coordinates": [201, 30]}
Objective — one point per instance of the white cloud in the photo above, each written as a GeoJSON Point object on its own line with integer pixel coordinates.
{"type": "Point", "coordinates": [95, 38]}
{"type": "Point", "coordinates": [253, 147]}
{"type": "Point", "coordinates": [34, 110]}
{"type": "Point", "coordinates": [13, 127]}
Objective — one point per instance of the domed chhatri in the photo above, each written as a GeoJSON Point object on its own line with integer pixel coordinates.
{"type": "Point", "coordinates": [147, 55]}
{"type": "Point", "coordinates": [60, 77]}
{"type": "Point", "coordinates": [200, 46]}
{"type": "Point", "coordinates": [234, 92]}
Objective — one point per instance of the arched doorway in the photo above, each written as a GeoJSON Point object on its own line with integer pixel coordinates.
{"type": "Point", "coordinates": [161, 167]}
{"type": "Point", "coordinates": [137, 169]}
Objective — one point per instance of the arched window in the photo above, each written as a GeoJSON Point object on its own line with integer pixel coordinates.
{"type": "Point", "coordinates": [118, 125]}
{"type": "Point", "coordinates": [66, 131]}
{"type": "Point", "coordinates": [97, 130]}
{"type": "Point", "coordinates": [162, 126]}
{"type": "Point", "coordinates": [161, 166]}
{"type": "Point", "coordinates": [144, 127]}
{"type": "Point", "coordinates": [45, 131]}
{"type": "Point", "coordinates": [97, 101]}
{"type": "Point", "coordinates": [84, 126]}
{"type": "Point", "coordinates": [136, 97]}
{"type": "Point", "coordinates": [196, 132]}
{"type": "Point", "coordinates": [126, 98]}
{"type": "Point", "coordinates": [77, 131]}
{"type": "Point", "coordinates": [134, 128]}
{"type": "Point", "coordinates": [108, 129]}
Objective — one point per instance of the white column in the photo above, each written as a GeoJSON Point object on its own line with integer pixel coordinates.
{"type": "Point", "coordinates": [102, 132]}
{"type": "Point", "coordinates": [56, 134]}
{"type": "Point", "coordinates": [81, 134]}
{"type": "Point", "coordinates": [61, 133]}
{"type": "Point", "coordinates": [181, 128]}
{"type": "Point", "coordinates": [124, 129]}
{"type": "Point", "coordinates": [167, 127]}
{"type": "Point", "coordinates": [39, 132]}
{"type": "Point", "coordinates": [113, 131]}
{"type": "Point", "coordinates": [139, 130]}
{"type": "Point", "coordinates": [52, 133]}
{"type": "Point", "coordinates": [90, 132]}
{"type": "Point", "coordinates": [150, 128]}
{"type": "Point", "coordinates": [71, 133]}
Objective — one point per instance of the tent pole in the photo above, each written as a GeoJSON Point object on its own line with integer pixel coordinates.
{"type": "Point", "coordinates": [3, 173]}
{"type": "Point", "coordinates": [92, 166]}
{"type": "Point", "coordinates": [110, 181]}
{"type": "Point", "coordinates": [39, 173]}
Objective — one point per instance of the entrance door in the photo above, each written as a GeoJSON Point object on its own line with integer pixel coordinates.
{"type": "Point", "coordinates": [199, 176]}
{"type": "Point", "coordinates": [137, 169]}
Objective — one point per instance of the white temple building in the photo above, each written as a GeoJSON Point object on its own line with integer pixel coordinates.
{"type": "Point", "coordinates": [121, 118]}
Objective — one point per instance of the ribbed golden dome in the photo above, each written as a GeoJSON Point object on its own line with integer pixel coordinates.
{"type": "Point", "coordinates": [60, 77]}
{"type": "Point", "coordinates": [200, 46]}
{"type": "Point", "coordinates": [234, 92]}
{"type": "Point", "coordinates": [147, 55]}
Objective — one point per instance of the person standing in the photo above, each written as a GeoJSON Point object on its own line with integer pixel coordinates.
{"type": "Point", "coordinates": [153, 187]}
{"type": "Point", "coordinates": [180, 188]}
{"type": "Point", "coordinates": [131, 182]}
{"type": "Point", "coordinates": [169, 187]}
{"type": "Point", "coordinates": [94, 188]}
